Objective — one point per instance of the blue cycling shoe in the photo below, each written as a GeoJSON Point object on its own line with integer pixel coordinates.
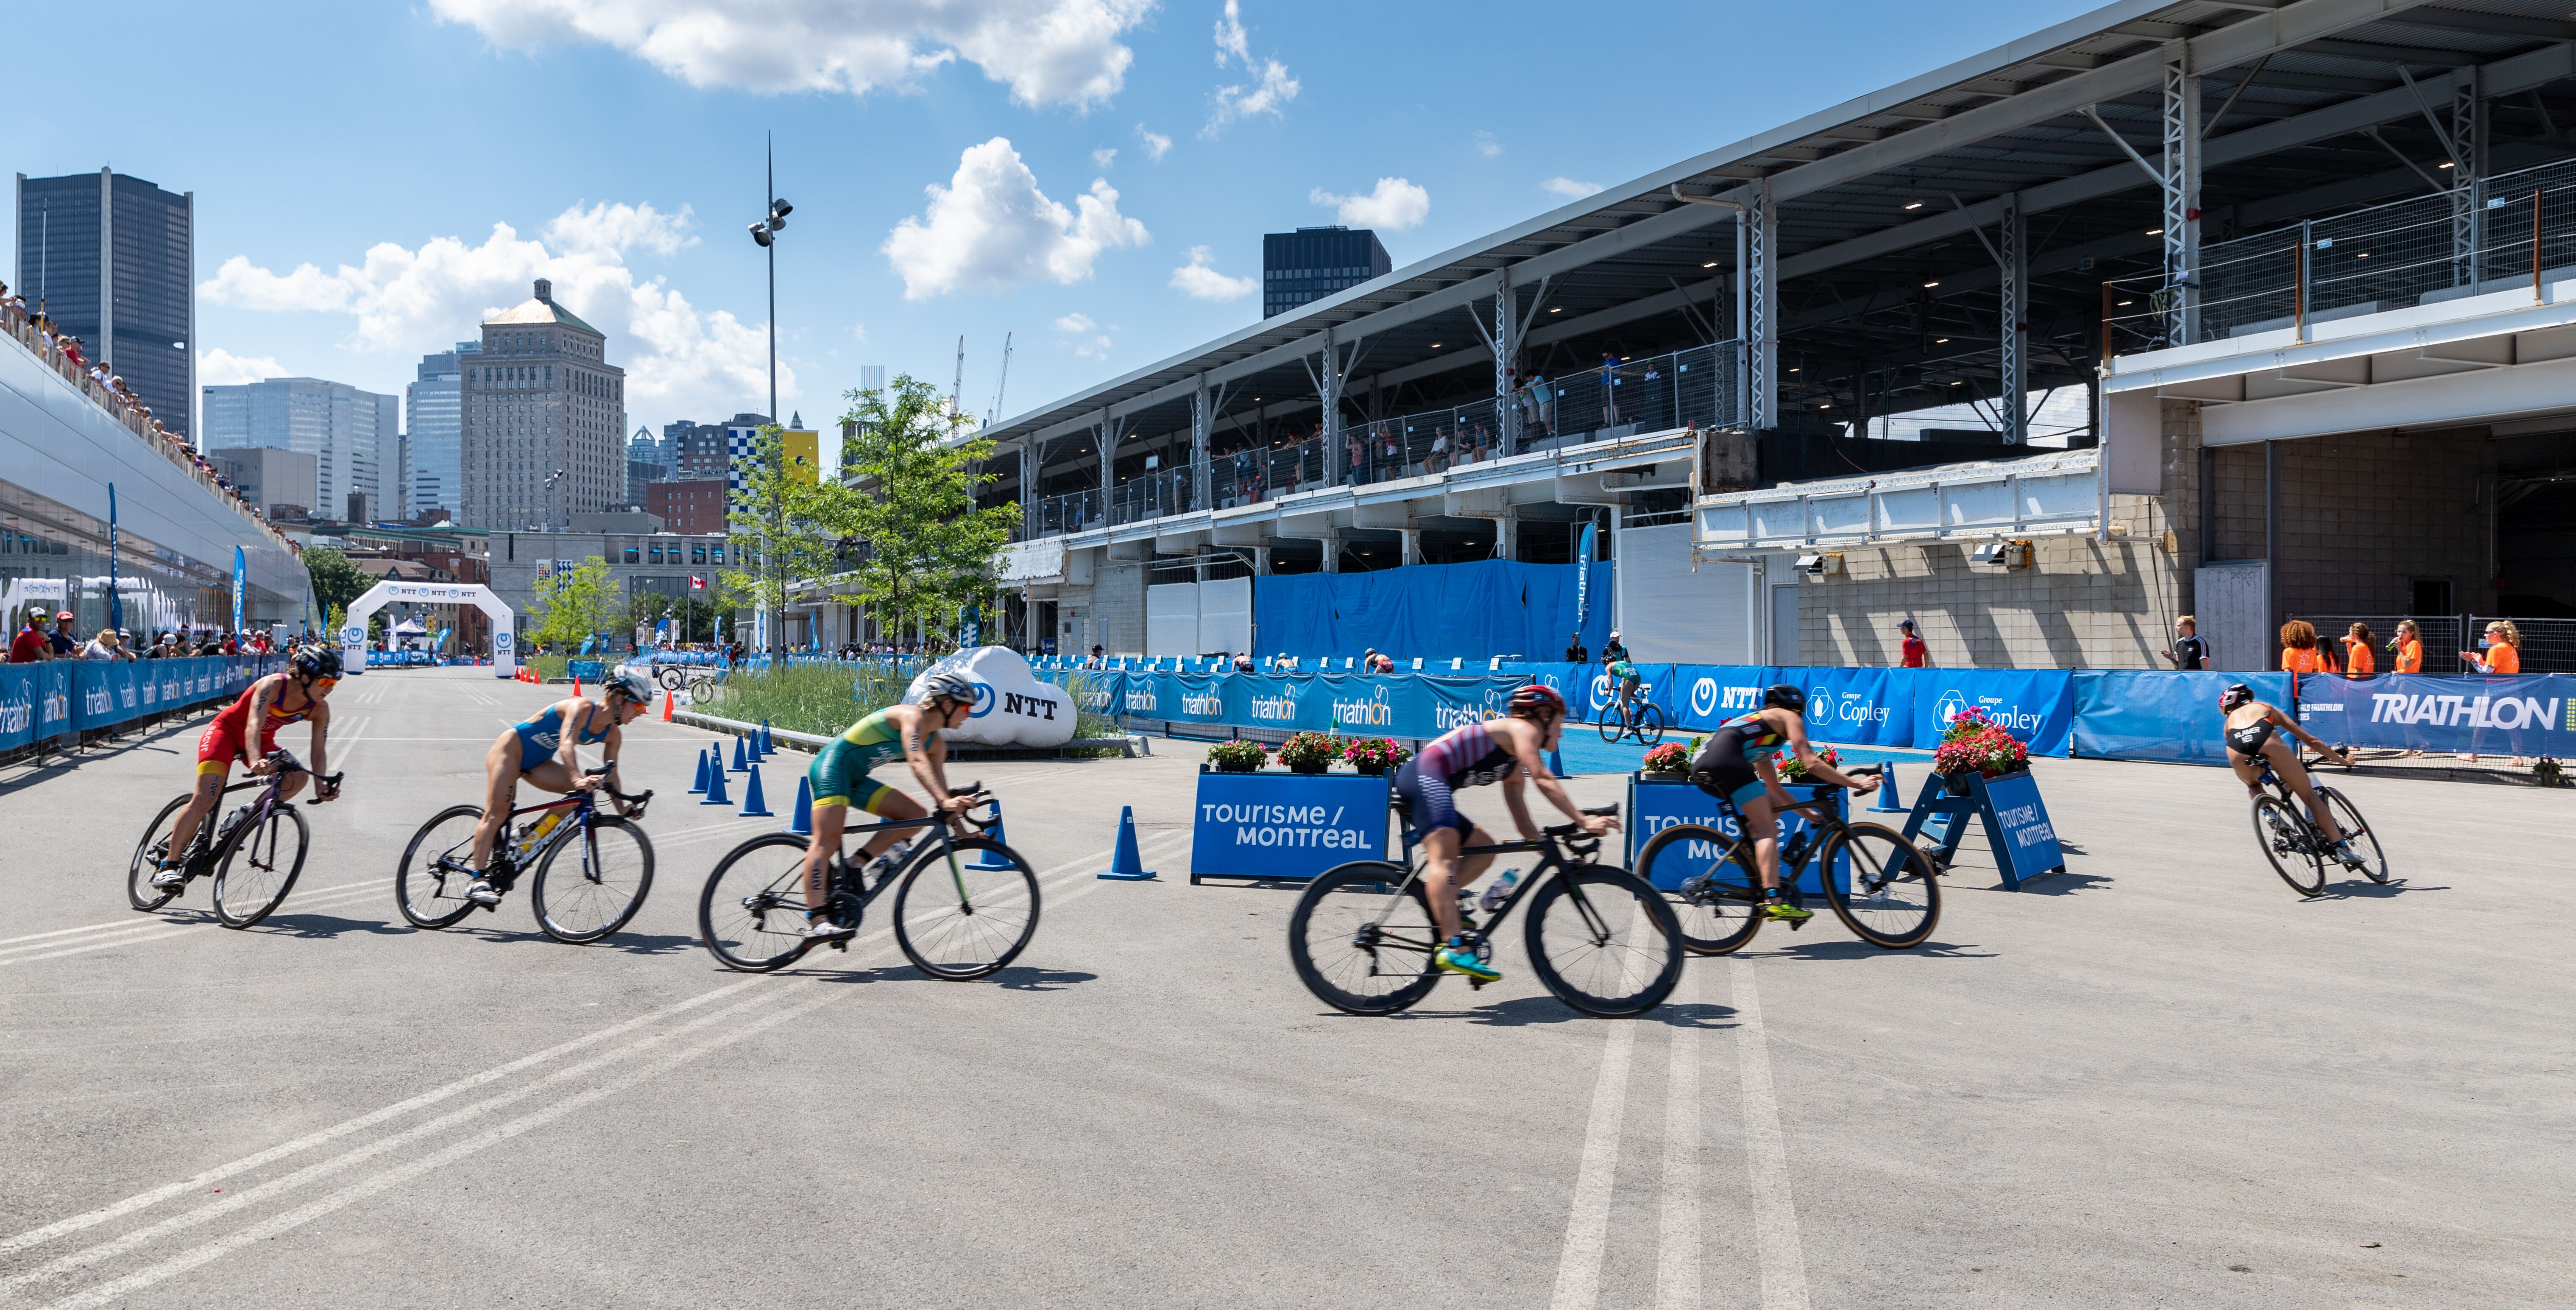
{"type": "Point", "coordinates": [1459, 957]}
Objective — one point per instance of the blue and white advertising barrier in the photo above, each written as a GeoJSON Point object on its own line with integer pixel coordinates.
{"type": "Point", "coordinates": [42, 701]}
{"type": "Point", "coordinates": [1286, 826]}
{"type": "Point", "coordinates": [1352, 704]}
{"type": "Point", "coordinates": [2170, 716]}
{"type": "Point", "coordinates": [1655, 806]}
{"type": "Point", "coordinates": [2527, 715]}
{"type": "Point", "coordinates": [2023, 841]}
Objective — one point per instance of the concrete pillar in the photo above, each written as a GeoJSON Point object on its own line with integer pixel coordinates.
{"type": "Point", "coordinates": [1260, 561]}
{"type": "Point", "coordinates": [2015, 381]}
{"type": "Point", "coordinates": [1332, 539]}
{"type": "Point", "coordinates": [1202, 424]}
{"type": "Point", "coordinates": [1412, 544]}
{"type": "Point", "coordinates": [1507, 537]}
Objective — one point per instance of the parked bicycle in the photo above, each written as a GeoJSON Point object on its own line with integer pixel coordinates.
{"type": "Point", "coordinates": [1639, 718]}
{"type": "Point", "coordinates": [578, 899]}
{"type": "Point", "coordinates": [2298, 849]}
{"type": "Point", "coordinates": [1599, 938]}
{"type": "Point", "coordinates": [1881, 886]}
{"type": "Point", "coordinates": [964, 906]}
{"type": "Point", "coordinates": [247, 854]}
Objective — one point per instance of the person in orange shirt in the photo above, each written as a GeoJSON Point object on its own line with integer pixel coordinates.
{"type": "Point", "coordinates": [2357, 662]}
{"type": "Point", "coordinates": [2299, 652]}
{"type": "Point", "coordinates": [2504, 649]}
{"type": "Point", "coordinates": [2408, 648]}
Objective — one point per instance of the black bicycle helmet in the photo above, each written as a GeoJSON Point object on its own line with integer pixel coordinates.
{"type": "Point", "coordinates": [1782, 696]}
{"type": "Point", "coordinates": [317, 662]}
{"type": "Point", "coordinates": [2237, 693]}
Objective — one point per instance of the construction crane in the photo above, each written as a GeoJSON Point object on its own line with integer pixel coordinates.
{"type": "Point", "coordinates": [1000, 386]}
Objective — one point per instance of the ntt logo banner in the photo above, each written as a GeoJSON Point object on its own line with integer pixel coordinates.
{"type": "Point", "coordinates": [1285, 826]}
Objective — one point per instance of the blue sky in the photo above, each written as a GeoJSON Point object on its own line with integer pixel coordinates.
{"type": "Point", "coordinates": [351, 161]}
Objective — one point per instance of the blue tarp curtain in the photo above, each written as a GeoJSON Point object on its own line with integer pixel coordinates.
{"type": "Point", "coordinates": [1432, 611]}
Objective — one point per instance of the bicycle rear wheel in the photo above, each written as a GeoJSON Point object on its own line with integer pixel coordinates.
{"type": "Point", "coordinates": [254, 871]}
{"type": "Point", "coordinates": [752, 914]}
{"type": "Point", "coordinates": [2289, 845]}
{"type": "Point", "coordinates": [2357, 834]}
{"type": "Point", "coordinates": [1650, 724]}
{"type": "Point", "coordinates": [429, 885]}
{"type": "Point", "coordinates": [139, 891]}
{"type": "Point", "coordinates": [1717, 905]}
{"type": "Point", "coordinates": [1604, 941]}
{"type": "Point", "coordinates": [1881, 886]}
{"type": "Point", "coordinates": [1357, 945]}
{"type": "Point", "coordinates": [594, 894]}
{"type": "Point", "coordinates": [956, 921]}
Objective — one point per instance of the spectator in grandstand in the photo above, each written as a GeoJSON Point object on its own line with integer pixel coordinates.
{"type": "Point", "coordinates": [61, 637]}
{"type": "Point", "coordinates": [1390, 454]}
{"type": "Point", "coordinates": [2188, 651]}
{"type": "Point", "coordinates": [2406, 648]}
{"type": "Point", "coordinates": [2357, 661]}
{"type": "Point", "coordinates": [2299, 650]}
{"type": "Point", "coordinates": [2503, 649]}
{"type": "Point", "coordinates": [1243, 662]}
{"type": "Point", "coordinates": [1355, 470]}
{"type": "Point", "coordinates": [1439, 449]}
{"type": "Point", "coordinates": [1910, 648]}
{"type": "Point", "coordinates": [1614, 651]}
{"type": "Point", "coordinates": [1097, 660]}
{"type": "Point", "coordinates": [1382, 663]}
{"type": "Point", "coordinates": [107, 645]}
{"type": "Point", "coordinates": [1609, 389]}
{"type": "Point", "coordinates": [30, 645]}
{"type": "Point", "coordinates": [1575, 651]}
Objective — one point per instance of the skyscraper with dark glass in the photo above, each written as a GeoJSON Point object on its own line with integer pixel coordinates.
{"type": "Point", "coordinates": [113, 259]}
{"type": "Point", "coordinates": [1314, 262]}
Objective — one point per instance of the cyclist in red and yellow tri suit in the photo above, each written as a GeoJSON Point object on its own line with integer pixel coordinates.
{"type": "Point", "coordinates": [296, 696]}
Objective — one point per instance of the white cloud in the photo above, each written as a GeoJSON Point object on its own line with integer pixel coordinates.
{"type": "Point", "coordinates": [1394, 206]}
{"type": "Point", "coordinates": [1200, 280]}
{"type": "Point", "coordinates": [1568, 187]}
{"type": "Point", "coordinates": [1487, 146]}
{"type": "Point", "coordinates": [1231, 39]}
{"type": "Point", "coordinates": [407, 301]}
{"type": "Point", "coordinates": [222, 368]}
{"type": "Point", "coordinates": [1104, 156]}
{"type": "Point", "coordinates": [991, 228]}
{"type": "Point", "coordinates": [1086, 339]}
{"type": "Point", "coordinates": [1047, 51]}
{"type": "Point", "coordinates": [1156, 144]}
{"type": "Point", "coordinates": [1272, 95]}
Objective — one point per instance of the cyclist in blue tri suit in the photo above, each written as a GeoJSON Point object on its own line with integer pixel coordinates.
{"type": "Point", "coordinates": [1507, 750]}
{"type": "Point", "coordinates": [1735, 763]}
{"type": "Point", "coordinates": [541, 753]}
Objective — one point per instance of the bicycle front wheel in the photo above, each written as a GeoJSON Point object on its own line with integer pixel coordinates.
{"type": "Point", "coordinates": [594, 893]}
{"type": "Point", "coordinates": [1650, 724]}
{"type": "Point", "coordinates": [429, 885]}
{"type": "Point", "coordinates": [1717, 904]}
{"type": "Point", "coordinates": [1360, 947]}
{"type": "Point", "coordinates": [1604, 941]}
{"type": "Point", "coordinates": [669, 677]}
{"type": "Point", "coordinates": [702, 691]}
{"type": "Point", "coordinates": [139, 891]}
{"type": "Point", "coordinates": [2357, 834]}
{"type": "Point", "coordinates": [752, 914]}
{"type": "Point", "coordinates": [1881, 886]}
{"type": "Point", "coordinates": [1612, 729]}
{"type": "Point", "coordinates": [256, 868]}
{"type": "Point", "coordinates": [2287, 843]}
{"type": "Point", "coordinates": [957, 920]}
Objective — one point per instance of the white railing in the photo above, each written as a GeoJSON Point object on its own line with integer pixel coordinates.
{"type": "Point", "coordinates": [2052, 493]}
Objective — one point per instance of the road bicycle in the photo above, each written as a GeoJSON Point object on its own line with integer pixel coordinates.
{"type": "Point", "coordinates": [1599, 937]}
{"type": "Point", "coordinates": [580, 899]}
{"type": "Point", "coordinates": [1883, 887]}
{"type": "Point", "coordinates": [1639, 718]}
{"type": "Point", "coordinates": [2298, 848]}
{"type": "Point", "coordinates": [701, 680]}
{"type": "Point", "coordinates": [964, 906]}
{"type": "Point", "coordinates": [246, 853]}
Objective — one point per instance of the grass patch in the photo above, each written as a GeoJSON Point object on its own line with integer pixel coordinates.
{"type": "Point", "coordinates": [822, 699]}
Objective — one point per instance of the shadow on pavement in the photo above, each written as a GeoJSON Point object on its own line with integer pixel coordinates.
{"type": "Point", "coordinates": [1018, 979]}
{"type": "Point", "coordinates": [325, 925]}
{"type": "Point", "coordinates": [631, 943]}
{"type": "Point", "coordinates": [2374, 891]}
{"type": "Point", "coordinates": [1852, 950]}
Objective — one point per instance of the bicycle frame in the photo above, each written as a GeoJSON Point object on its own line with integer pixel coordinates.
{"type": "Point", "coordinates": [261, 810]}
{"type": "Point", "coordinates": [505, 863]}
{"type": "Point", "coordinates": [1551, 850]}
{"type": "Point", "coordinates": [945, 836]}
{"type": "Point", "coordinates": [1820, 817]}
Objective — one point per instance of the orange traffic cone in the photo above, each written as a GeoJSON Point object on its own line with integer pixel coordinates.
{"type": "Point", "coordinates": [576, 684]}
{"type": "Point", "coordinates": [667, 697]}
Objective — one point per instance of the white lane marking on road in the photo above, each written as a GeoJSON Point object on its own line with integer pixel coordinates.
{"type": "Point", "coordinates": [1587, 1225]}
{"type": "Point", "coordinates": [126, 932]}
{"type": "Point", "coordinates": [1677, 1278]}
{"type": "Point", "coordinates": [111, 1292]}
{"type": "Point", "coordinates": [1766, 1154]}
{"type": "Point", "coordinates": [103, 1214]}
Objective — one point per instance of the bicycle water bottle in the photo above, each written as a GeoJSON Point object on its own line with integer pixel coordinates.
{"type": "Point", "coordinates": [1500, 892]}
{"type": "Point", "coordinates": [544, 826]}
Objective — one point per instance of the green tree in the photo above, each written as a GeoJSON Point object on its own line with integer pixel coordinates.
{"type": "Point", "coordinates": [336, 581]}
{"type": "Point", "coordinates": [774, 528]}
{"type": "Point", "coordinates": [911, 471]}
{"type": "Point", "coordinates": [575, 605]}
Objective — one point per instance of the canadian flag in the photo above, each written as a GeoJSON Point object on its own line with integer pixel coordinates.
{"type": "Point", "coordinates": [697, 582]}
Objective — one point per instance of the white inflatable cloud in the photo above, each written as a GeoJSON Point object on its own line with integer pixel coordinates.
{"type": "Point", "coordinates": [1012, 707]}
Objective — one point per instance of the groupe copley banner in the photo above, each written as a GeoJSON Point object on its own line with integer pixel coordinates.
{"type": "Point", "coordinates": [44, 700]}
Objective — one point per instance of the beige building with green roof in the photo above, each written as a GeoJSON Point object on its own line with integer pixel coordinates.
{"type": "Point", "coordinates": [544, 421]}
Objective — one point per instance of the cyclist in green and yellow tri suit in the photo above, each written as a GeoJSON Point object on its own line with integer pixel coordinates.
{"type": "Point", "coordinates": [840, 777]}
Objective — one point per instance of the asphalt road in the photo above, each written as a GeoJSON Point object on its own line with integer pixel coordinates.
{"type": "Point", "coordinates": [2157, 1080]}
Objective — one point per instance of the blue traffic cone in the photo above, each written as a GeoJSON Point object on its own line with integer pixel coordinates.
{"type": "Point", "coordinates": [992, 860]}
{"type": "Point", "coordinates": [715, 786]}
{"type": "Point", "coordinates": [1556, 762]}
{"type": "Point", "coordinates": [1887, 802]}
{"type": "Point", "coordinates": [802, 824]}
{"type": "Point", "coordinates": [754, 805]}
{"type": "Point", "coordinates": [768, 747]}
{"type": "Point", "coordinates": [741, 762]}
{"type": "Point", "coordinates": [1127, 865]}
{"type": "Point", "coordinates": [699, 787]}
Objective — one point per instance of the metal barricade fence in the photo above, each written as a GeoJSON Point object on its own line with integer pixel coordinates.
{"type": "Point", "coordinates": [2548, 645]}
{"type": "Point", "coordinates": [2440, 634]}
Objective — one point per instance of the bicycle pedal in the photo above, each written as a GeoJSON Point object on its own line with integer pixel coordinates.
{"type": "Point", "coordinates": [1796, 924]}
{"type": "Point", "coordinates": [840, 946]}
{"type": "Point", "coordinates": [1475, 984]}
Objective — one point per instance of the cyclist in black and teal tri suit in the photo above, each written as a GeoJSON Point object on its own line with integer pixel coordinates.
{"type": "Point", "coordinates": [1735, 763]}
{"type": "Point", "coordinates": [1623, 677]}
{"type": "Point", "coordinates": [840, 778]}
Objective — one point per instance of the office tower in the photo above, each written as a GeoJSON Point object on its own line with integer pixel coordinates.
{"type": "Point", "coordinates": [1314, 262]}
{"type": "Point", "coordinates": [352, 435]}
{"type": "Point", "coordinates": [544, 420]}
{"type": "Point", "coordinates": [113, 259]}
{"type": "Point", "coordinates": [435, 418]}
